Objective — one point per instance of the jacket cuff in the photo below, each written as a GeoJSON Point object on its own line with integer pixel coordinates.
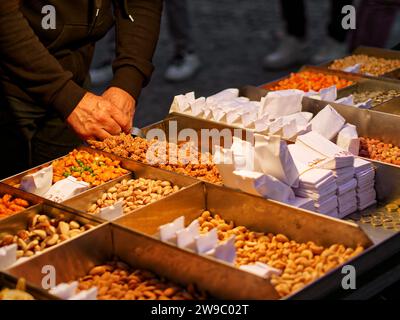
{"type": "Point", "coordinates": [128, 79]}
{"type": "Point", "coordinates": [68, 98]}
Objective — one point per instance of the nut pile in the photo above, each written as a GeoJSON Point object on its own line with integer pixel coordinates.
{"type": "Point", "coordinates": [94, 169]}
{"type": "Point", "coordinates": [378, 150]}
{"type": "Point", "coordinates": [307, 81]}
{"type": "Point", "coordinates": [377, 96]}
{"type": "Point", "coordinates": [117, 281]}
{"type": "Point", "coordinates": [370, 65]}
{"type": "Point", "coordinates": [188, 161]}
{"type": "Point", "coordinates": [19, 293]}
{"type": "Point", "coordinates": [42, 232]}
{"type": "Point", "coordinates": [301, 263]}
{"type": "Point", "coordinates": [135, 193]}
{"type": "Point", "coordinates": [9, 206]}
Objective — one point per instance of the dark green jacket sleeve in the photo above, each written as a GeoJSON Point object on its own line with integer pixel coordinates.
{"type": "Point", "coordinates": [136, 43]}
{"type": "Point", "coordinates": [25, 60]}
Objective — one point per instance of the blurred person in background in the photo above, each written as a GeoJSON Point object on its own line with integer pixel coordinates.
{"type": "Point", "coordinates": [293, 47]}
{"type": "Point", "coordinates": [185, 62]}
{"type": "Point", "coordinates": [375, 19]}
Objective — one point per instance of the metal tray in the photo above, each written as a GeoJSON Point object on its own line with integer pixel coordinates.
{"type": "Point", "coordinates": [20, 220]}
{"type": "Point", "coordinates": [7, 281]}
{"type": "Point", "coordinates": [345, 75]}
{"type": "Point", "coordinates": [83, 201]}
{"type": "Point", "coordinates": [390, 106]}
{"type": "Point", "coordinates": [15, 180]}
{"type": "Point", "coordinates": [253, 212]}
{"type": "Point", "coordinates": [369, 123]}
{"type": "Point", "coordinates": [373, 52]}
{"type": "Point", "coordinates": [136, 168]}
{"type": "Point", "coordinates": [75, 258]}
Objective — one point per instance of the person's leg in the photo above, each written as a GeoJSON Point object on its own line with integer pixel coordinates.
{"type": "Point", "coordinates": [335, 29]}
{"type": "Point", "coordinates": [294, 14]}
{"type": "Point", "coordinates": [185, 62]}
{"type": "Point", "coordinates": [179, 25]}
{"type": "Point", "coordinates": [333, 46]}
{"type": "Point", "coordinates": [375, 19]}
{"type": "Point", "coordinates": [292, 46]}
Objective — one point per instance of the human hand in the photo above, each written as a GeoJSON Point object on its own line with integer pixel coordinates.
{"type": "Point", "coordinates": [96, 118]}
{"type": "Point", "coordinates": [125, 103]}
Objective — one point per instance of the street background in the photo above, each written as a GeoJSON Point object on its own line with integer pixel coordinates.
{"type": "Point", "coordinates": [231, 37]}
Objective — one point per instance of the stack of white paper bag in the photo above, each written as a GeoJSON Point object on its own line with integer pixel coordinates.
{"type": "Point", "coordinates": [314, 183]}
{"type": "Point", "coordinates": [365, 176]}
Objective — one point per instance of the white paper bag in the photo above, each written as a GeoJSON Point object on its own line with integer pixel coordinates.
{"type": "Point", "coordinates": [272, 157]}
{"type": "Point", "coordinates": [243, 154]}
{"type": "Point", "coordinates": [328, 94]}
{"type": "Point", "coordinates": [66, 189]}
{"type": "Point", "coordinates": [261, 269]}
{"type": "Point", "coordinates": [282, 102]}
{"type": "Point", "coordinates": [353, 69]}
{"type": "Point", "coordinates": [8, 256]}
{"type": "Point", "coordinates": [335, 157]}
{"type": "Point", "coordinates": [206, 242]}
{"type": "Point", "coordinates": [90, 294]}
{"type": "Point", "coordinates": [271, 188]}
{"type": "Point", "coordinates": [225, 251]}
{"type": "Point", "coordinates": [39, 182]}
{"type": "Point", "coordinates": [112, 212]}
{"type": "Point", "coordinates": [186, 237]}
{"type": "Point", "coordinates": [348, 101]}
{"type": "Point", "coordinates": [227, 94]}
{"type": "Point", "coordinates": [327, 122]}
{"type": "Point", "coordinates": [223, 159]}
{"type": "Point", "coordinates": [64, 290]}
{"type": "Point", "coordinates": [168, 231]}
{"type": "Point", "coordinates": [348, 139]}
{"type": "Point", "coordinates": [181, 103]}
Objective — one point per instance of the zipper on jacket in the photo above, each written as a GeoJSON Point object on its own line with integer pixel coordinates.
{"type": "Point", "coordinates": [127, 10]}
{"type": "Point", "coordinates": [98, 5]}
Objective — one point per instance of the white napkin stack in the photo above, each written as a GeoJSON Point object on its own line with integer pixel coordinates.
{"type": "Point", "coordinates": [315, 183]}
{"type": "Point", "coordinates": [365, 177]}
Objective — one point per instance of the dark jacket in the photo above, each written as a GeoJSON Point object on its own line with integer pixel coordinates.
{"type": "Point", "coordinates": [48, 67]}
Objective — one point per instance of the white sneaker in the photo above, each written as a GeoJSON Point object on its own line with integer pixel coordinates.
{"type": "Point", "coordinates": [182, 67]}
{"type": "Point", "coordinates": [330, 50]}
{"type": "Point", "coordinates": [290, 51]}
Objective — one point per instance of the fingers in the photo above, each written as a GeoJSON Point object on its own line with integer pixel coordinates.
{"type": "Point", "coordinates": [105, 118]}
{"type": "Point", "coordinates": [124, 120]}
{"type": "Point", "coordinates": [102, 134]}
